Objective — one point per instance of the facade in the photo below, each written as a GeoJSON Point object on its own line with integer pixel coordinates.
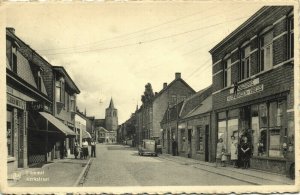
{"type": "Point", "coordinates": [33, 130]}
{"type": "Point", "coordinates": [24, 87]}
{"type": "Point", "coordinates": [81, 128]}
{"type": "Point", "coordinates": [253, 87]}
{"type": "Point", "coordinates": [188, 124]}
{"type": "Point", "coordinates": [149, 116]}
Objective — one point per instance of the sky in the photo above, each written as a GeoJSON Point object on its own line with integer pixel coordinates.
{"type": "Point", "coordinates": [114, 49]}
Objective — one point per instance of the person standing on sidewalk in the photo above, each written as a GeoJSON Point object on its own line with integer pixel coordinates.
{"type": "Point", "coordinates": [93, 148]}
{"type": "Point", "coordinates": [246, 152]}
{"type": "Point", "coordinates": [85, 149]}
{"type": "Point", "coordinates": [220, 148]}
{"type": "Point", "coordinates": [234, 151]}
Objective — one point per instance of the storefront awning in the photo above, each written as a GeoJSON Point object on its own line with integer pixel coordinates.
{"type": "Point", "coordinates": [58, 124]}
{"type": "Point", "coordinates": [85, 134]}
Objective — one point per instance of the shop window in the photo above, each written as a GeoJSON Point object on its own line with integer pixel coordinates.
{"type": "Point", "coordinates": [199, 142]}
{"type": "Point", "coordinates": [266, 51]}
{"type": "Point", "coordinates": [257, 150]}
{"type": "Point", "coordinates": [222, 130]}
{"type": "Point", "coordinates": [244, 71]}
{"type": "Point", "coordinates": [231, 131]}
{"type": "Point", "coordinates": [227, 73]}
{"type": "Point", "coordinates": [9, 133]}
{"type": "Point", "coordinates": [291, 37]}
{"type": "Point", "coordinates": [183, 139]}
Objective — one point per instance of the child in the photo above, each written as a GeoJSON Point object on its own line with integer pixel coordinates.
{"type": "Point", "coordinates": [223, 158]}
{"type": "Point", "coordinates": [220, 147]}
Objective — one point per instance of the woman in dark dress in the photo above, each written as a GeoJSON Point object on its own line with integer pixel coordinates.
{"type": "Point", "coordinates": [245, 152]}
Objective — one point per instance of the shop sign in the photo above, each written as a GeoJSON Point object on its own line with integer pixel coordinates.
{"type": "Point", "coordinates": [244, 93]}
{"type": "Point", "coordinates": [11, 100]}
{"type": "Point", "coordinates": [246, 85]}
{"type": "Point", "coordinates": [37, 106]}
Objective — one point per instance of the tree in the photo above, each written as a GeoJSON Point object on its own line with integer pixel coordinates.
{"type": "Point", "coordinates": [148, 94]}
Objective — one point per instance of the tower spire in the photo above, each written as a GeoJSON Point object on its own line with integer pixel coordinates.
{"type": "Point", "coordinates": [111, 104]}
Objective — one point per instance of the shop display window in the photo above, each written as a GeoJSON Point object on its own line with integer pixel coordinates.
{"type": "Point", "coordinates": [222, 130]}
{"type": "Point", "coordinates": [232, 129]}
{"type": "Point", "coordinates": [9, 133]}
{"type": "Point", "coordinates": [199, 142]}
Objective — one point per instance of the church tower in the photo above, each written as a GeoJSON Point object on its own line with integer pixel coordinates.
{"type": "Point", "coordinates": [111, 117]}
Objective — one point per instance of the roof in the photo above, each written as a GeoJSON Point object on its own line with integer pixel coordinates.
{"type": "Point", "coordinates": [99, 122]}
{"type": "Point", "coordinates": [85, 134]}
{"type": "Point", "coordinates": [237, 30]}
{"type": "Point", "coordinates": [168, 86]}
{"type": "Point", "coordinates": [68, 79]}
{"type": "Point", "coordinates": [102, 129]}
{"type": "Point", "coordinates": [204, 107]}
{"type": "Point", "coordinates": [172, 113]}
{"type": "Point", "coordinates": [58, 124]}
{"type": "Point", "coordinates": [194, 101]}
{"type": "Point", "coordinates": [111, 104]}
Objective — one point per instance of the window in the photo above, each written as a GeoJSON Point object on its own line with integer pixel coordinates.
{"type": "Point", "coordinates": [291, 37]}
{"type": "Point", "coordinates": [244, 71]}
{"type": "Point", "coordinates": [231, 131]}
{"type": "Point", "coordinates": [222, 130]}
{"type": "Point", "coordinates": [227, 73]}
{"type": "Point", "coordinates": [72, 101]}
{"type": "Point", "coordinates": [59, 90]}
{"type": "Point", "coordinates": [183, 139]}
{"type": "Point", "coordinates": [39, 80]}
{"type": "Point", "coordinates": [14, 63]}
{"type": "Point", "coordinates": [200, 143]}
{"type": "Point", "coordinates": [174, 100]}
{"type": "Point", "coordinates": [9, 133]}
{"type": "Point", "coordinates": [266, 51]}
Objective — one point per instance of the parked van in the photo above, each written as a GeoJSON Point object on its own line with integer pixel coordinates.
{"type": "Point", "coordinates": [147, 147]}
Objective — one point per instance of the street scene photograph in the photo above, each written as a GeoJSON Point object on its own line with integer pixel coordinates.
{"type": "Point", "coordinates": [142, 94]}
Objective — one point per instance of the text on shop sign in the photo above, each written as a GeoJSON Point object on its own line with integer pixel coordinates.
{"type": "Point", "coordinates": [240, 94]}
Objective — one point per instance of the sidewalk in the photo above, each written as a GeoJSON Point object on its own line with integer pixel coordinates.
{"type": "Point", "coordinates": [60, 173]}
{"type": "Point", "coordinates": [252, 176]}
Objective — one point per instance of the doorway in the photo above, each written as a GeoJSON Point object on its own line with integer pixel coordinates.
{"type": "Point", "coordinates": [206, 143]}
{"type": "Point", "coordinates": [190, 143]}
{"type": "Point", "coordinates": [20, 141]}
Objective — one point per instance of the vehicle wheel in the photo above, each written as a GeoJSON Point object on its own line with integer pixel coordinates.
{"type": "Point", "coordinates": [142, 154]}
{"type": "Point", "coordinates": [155, 155]}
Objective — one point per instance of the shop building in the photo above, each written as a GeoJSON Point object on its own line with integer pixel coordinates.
{"type": "Point", "coordinates": [25, 93]}
{"type": "Point", "coordinates": [253, 87]}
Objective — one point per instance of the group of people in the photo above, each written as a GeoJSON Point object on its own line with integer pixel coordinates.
{"type": "Point", "coordinates": [240, 152]}
{"type": "Point", "coordinates": [83, 151]}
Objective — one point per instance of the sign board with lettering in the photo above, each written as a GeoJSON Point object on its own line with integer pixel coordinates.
{"type": "Point", "coordinates": [243, 93]}
{"type": "Point", "coordinates": [13, 101]}
{"type": "Point", "coordinates": [37, 106]}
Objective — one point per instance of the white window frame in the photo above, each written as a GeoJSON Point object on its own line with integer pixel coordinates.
{"type": "Point", "coordinates": [245, 66]}
{"type": "Point", "coordinates": [263, 47]}
{"type": "Point", "coordinates": [227, 73]}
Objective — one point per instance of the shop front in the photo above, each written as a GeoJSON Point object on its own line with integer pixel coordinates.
{"type": "Point", "coordinates": [267, 123]}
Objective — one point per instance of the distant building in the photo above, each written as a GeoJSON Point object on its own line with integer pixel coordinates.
{"type": "Point", "coordinates": [149, 116]}
{"type": "Point", "coordinates": [106, 129]}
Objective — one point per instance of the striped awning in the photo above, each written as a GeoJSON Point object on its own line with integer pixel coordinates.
{"type": "Point", "coordinates": [58, 124]}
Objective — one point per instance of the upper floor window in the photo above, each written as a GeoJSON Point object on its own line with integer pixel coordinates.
{"type": "Point", "coordinates": [244, 71]}
{"type": "Point", "coordinates": [13, 64]}
{"type": "Point", "coordinates": [291, 37]}
{"type": "Point", "coordinates": [39, 80]}
{"type": "Point", "coordinates": [72, 103]}
{"type": "Point", "coordinates": [59, 90]}
{"type": "Point", "coordinates": [266, 51]}
{"type": "Point", "coordinates": [227, 72]}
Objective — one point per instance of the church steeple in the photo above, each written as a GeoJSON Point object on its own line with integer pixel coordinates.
{"type": "Point", "coordinates": [111, 104]}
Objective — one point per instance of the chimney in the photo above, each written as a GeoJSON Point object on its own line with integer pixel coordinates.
{"type": "Point", "coordinates": [11, 29]}
{"type": "Point", "coordinates": [177, 75]}
{"type": "Point", "coordinates": [165, 85]}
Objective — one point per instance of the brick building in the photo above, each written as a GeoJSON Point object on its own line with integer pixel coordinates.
{"type": "Point", "coordinates": [189, 124]}
{"type": "Point", "coordinates": [253, 87]}
{"type": "Point", "coordinates": [149, 116]}
{"type": "Point", "coordinates": [32, 128]}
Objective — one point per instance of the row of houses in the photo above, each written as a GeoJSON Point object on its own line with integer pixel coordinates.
{"type": "Point", "coordinates": [252, 92]}
{"type": "Point", "coordinates": [43, 121]}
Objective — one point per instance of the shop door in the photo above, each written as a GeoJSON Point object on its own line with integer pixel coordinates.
{"type": "Point", "coordinates": [206, 143]}
{"type": "Point", "coordinates": [20, 142]}
{"type": "Point", "coordinates": [190, 143]}
{"type": "Point", "coordinates": [168, 141]}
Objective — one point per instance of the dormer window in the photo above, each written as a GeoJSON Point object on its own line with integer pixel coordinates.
{"type": "Point", "coordinates": [59, 90]}
{"type": "Point", "coordinates": [72, 103]}
{"type": "Point", "coordinates": [14, 63]}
